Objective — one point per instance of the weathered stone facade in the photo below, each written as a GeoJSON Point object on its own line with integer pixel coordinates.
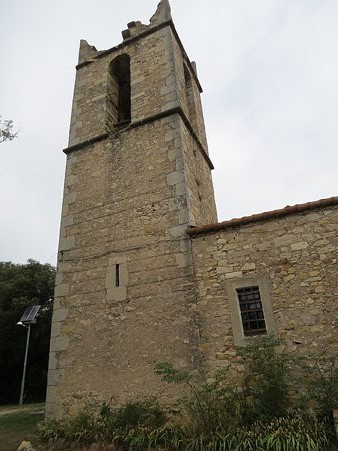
{"type": "Point", "coordinates": [140, 279]}
{"type": "Point", "coordinates": [125, 297]}
{"type": "Point", "coordinates": [294, 253]}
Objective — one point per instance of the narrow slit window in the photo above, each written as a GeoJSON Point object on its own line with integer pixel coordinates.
{"type": "Point", "coordinates": [117, 275]}
{"type": "Point", "coordinates": [251, 308]}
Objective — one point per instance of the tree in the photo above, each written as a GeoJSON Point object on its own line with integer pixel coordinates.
{"type": "Point", "coordinates": [22, 286]}
{"type": "Point", "coordinates": [6, 130]}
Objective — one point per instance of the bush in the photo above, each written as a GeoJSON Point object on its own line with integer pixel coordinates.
{"type": "Point", "coordinates": [215, 407]}
{"type": "Point", "coordinates": [81, 428]}
{"type": "Point", "coordinates": [257, 413]}
{"type": "Point", "coordinates": [128, 423]}
{"type": "Point", "coordinates": [267, 379]}
{"type": "Point", "coordinates": [321, 387]}
{"type": "Point", "coordinates": [211, 408]}
{"type": "Point", "coordinates": [263, 409]}
{"type": "Point", "coordinates": [292, 432]}
{"type": "Point", "coordinates": [140, 413]}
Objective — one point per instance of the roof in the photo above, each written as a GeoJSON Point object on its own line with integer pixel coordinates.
{"type": "Point", "coordinates": [274, 214]}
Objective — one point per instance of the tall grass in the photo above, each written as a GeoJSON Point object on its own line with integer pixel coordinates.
{"type": "Point", "coordinates": [260, 412]}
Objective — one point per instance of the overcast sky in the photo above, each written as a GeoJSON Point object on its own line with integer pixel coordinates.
{"type": "Point", "coordinates": [269, 73]}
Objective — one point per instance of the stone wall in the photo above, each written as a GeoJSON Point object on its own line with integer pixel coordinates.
{"type": "Point", "coordinates": [294, 254]}
{"type": "Point", "coordinates": [122, 208]}
{"type": "Point", "coordinates": [132, 289]}
{"type": "Point", "coordinates": [198, 182]}
{"type": "Point", "coordinates": [124, 297]}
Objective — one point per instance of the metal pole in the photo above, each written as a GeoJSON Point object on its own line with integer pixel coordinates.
{"type": "Point", "coordinates": [25, 365]}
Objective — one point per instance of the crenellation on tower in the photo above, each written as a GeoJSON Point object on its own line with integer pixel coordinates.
{"type": "Point", "coordinates": [86, 52]}
{"type": "Point", "coordinates": [162, 14]}
{"type": "Point", "coordinates": [134, 29]}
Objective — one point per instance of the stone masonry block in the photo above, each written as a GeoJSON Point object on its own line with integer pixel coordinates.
{"type": "Point", "coordinates": [172, 154]}
{"type": "Point", "coordinates": [65, 208]}
{"type": "Point", "coordinates": [299, 246]}
{"type": "Point", "coordinates": [52, 361]}
{"type": "Point", "coordinates": [64, 266]}
{"type": "Point", "coordinates": [50, 398]}
{"type": "Point", "coordinates": [67, 220]}
{"type": "Point", "coordinates": [171, 135]}
{"type": "Point", "coordinates": [60, 314]}
{"type": "Point", "coordinates": [58, 278]}
{"type": "Point", "coordinates": [69, 198]}
{"type": "Point", "coordinates": [248, 267]}
{"type": "Point", "coordinates": [176, 177]}
{"type": "Point", "coordinates": [59, 343]}
{"type": "Point", "coordinates": [67, 243]}
{"type": "Point", "coordinates": [183, 217]}
{"type": "Point", "coordinates": [63, 232]}
{"type": "Point", "coordinates": [177, 231]}
{"type": "Point", "coordinates": [285, 240]}
{"type": "Point", "coordinates": [232, 275]}
{"type": "Point", "coordinates": [70, 180]}
{"type": "Point", "coordinates": [185, 244]}
{"type": "Point", "coordinates": [118, 294]}
{"type": "Point", "coordinates": [180, 189]}
{"type": "Point", "coordinates": [183, 260]}
{"type": "Point", "coordinates": [55, 377]}
{"type": "Point", "coordinates": [61, 290]}
{"type": "Point", "coordinates": [55, 329]}
{"type": "Point", "coordinates": [224, 270]}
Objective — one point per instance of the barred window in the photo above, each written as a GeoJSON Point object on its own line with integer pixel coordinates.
{"type": "Point", "coordinates": [251, 310]}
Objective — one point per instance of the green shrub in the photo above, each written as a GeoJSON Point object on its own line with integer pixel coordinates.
{"type": "Point", "coordinates": [139, 413]}
{"type": "Point", "coordinates": [267, 378]}
{"type": "Point", "coordinates": [321, 387]}
{"type": "Point", "coordinates": [216, 407]}
{"type": "Point", "coordinates": [291, 433]}
{"type": "Point", "coordinates": [82, 429]}
{"type": "Point", "coordinates": [257, 413]}
{"type": "Point", "coordinates": [134, 421]}
{"type": "Point", "coordinates": [51, 430]}
{"type": "Point", "coordinates": [260, 413]}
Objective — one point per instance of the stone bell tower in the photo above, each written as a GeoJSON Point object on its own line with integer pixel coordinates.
{"type": "Point", "coordinates": [138, 173]}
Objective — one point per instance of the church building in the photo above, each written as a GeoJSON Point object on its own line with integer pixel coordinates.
{"type": "Point", "coordinates": [145, 272]}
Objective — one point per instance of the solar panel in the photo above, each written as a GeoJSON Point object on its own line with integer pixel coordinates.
{"type": "Point", "coordinates": [30, 313]}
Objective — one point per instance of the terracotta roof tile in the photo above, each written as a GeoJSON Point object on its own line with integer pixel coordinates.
{"type": "Point", "coordinates": [274, 214]}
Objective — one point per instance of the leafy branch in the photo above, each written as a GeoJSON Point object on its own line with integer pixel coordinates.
{"type": "Point", "coordinates": [7, 132]}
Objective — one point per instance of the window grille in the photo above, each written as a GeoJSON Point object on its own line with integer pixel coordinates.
{"type": "Point", "coordinates": [251, 309]}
